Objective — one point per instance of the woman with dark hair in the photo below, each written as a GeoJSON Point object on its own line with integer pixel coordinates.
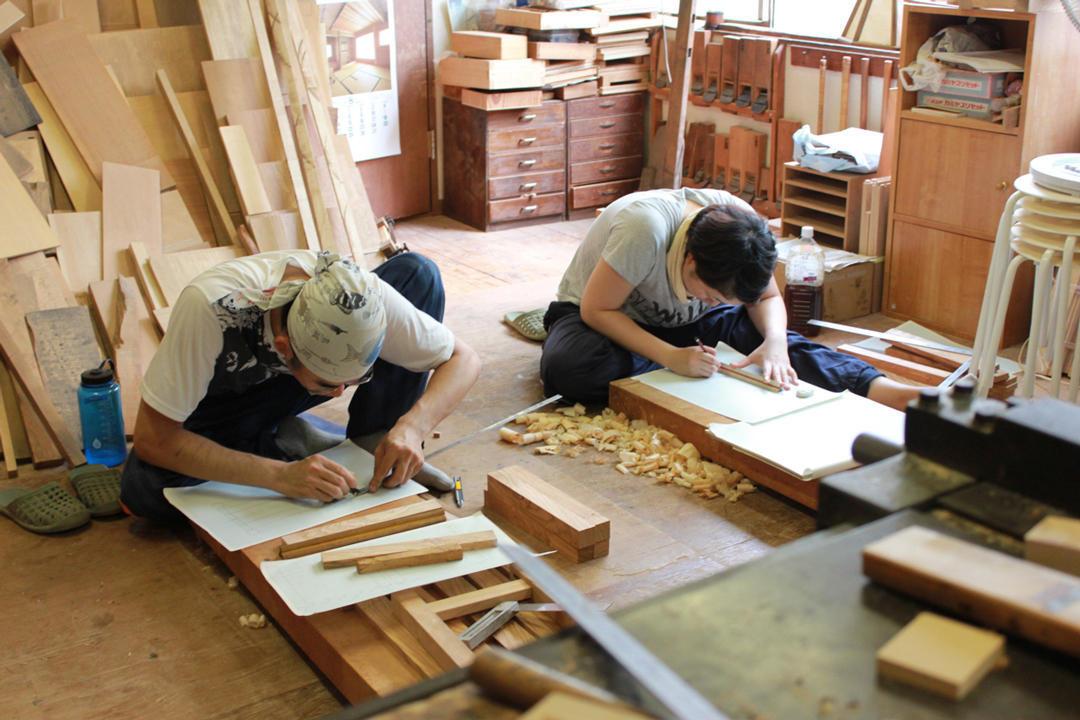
{"type": "Point", "coordinates": [661, 269]}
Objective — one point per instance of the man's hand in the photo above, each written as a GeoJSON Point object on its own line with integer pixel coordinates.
{"type": "Point", "coordinates": [692, 361]}
{"type": "Point", "coordinates": [772, 357]}
{"type": "Point", "coordinates": [315, 478]}
{"type": "Point", "coordinates": [398, 456]}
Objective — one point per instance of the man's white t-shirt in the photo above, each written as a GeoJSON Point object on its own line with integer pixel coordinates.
{"type": "Point", "coordinates": [185, 364]}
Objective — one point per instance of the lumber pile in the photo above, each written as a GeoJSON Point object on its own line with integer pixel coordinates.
{"type": "Point", "coordinates": [547, 513]}
{"type": "Point", "coordinates": [140, 146]}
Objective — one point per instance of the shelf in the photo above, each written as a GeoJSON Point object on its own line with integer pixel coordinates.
{"type": "Point", "coordinates": [816, 187]}
{"type": "Point", "coordinates": [825, 226]}
{"type": "Point", "coordinates": [964, 122]}
{"type": "Point", "coordinates": [824, 205]}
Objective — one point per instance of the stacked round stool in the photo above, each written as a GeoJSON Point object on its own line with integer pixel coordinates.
{"type": "Point", "coordinates": [1040, 224]}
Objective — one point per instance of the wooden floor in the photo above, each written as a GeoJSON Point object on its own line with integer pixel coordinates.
{"type": "Point", "coordinates": [123, 619]}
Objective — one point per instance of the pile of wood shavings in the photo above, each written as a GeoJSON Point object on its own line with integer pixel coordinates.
{"type": "Point", "coordinates": [254, 621]}
{"type": "Point", "coordinates": [642, 449]}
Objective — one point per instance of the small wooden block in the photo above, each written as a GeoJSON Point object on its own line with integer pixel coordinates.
{"type": "Point", "coordinates": [489, 45]}
{"type": "Point", "coordinates": [486, 598]}
{"type": "Point", "coordinates": [491, 74]}
{"type": "Point", "coordinates": [590, 88]}
{"type": "Point", "coordinates": [536, 19]}
{"type": "Point", "coordinates": [501, 100]}
{"type": "Point", "coordinates": [940, 655]}
{"type": "Point", "coordinates": [467, 541]}
{"type": "Point", "coordinates": [410, 558]}
{"type": "Point", "coordinates": [363, 527]}
{"type": "Point", "coordinates": [561, 51]}
{"type": "Point", "coordinates": [1055, 543]}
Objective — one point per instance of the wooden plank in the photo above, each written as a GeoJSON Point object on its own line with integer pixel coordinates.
{"type": "Point", "coordinates": [380, 612]}
{"type": "Point", "coordinates": [173, 272]}
{"type": "Point", "coordinates": [440, 641]}
{"type": "Point", "coordinates": [491, 74]}
{"type": "Point", "coordinates": [79, 182]}
{"type": "Point", "coordinates": [410, 558]}
{"type": "Point", "coordinates": [25, 229]}
{"type": "Point", "coordinates": [131, 212]}
{"type": "Point", "coordinates": [7, 441]}
{"type": "Point", "coordinates": [994, 589]}
{"type": "Point", "coordinates": [217, 203]}
{"type": "Point", "coordinates": [136, 55]}
{"type": "Point", "coordinates": [466, 541]}
{"type": "Point", "coordinates": [538, 19]}
{"type": "Point", "coordinates": [235, 86]}
{"type": "Point", "coordinates": [82, 12]}
{"type": "Point", "coordinates": [228, 30]}
{"type": "Point", "coordinates": [178, 229]}
{"type": "Point", "coordinates": [9, 16]}
{"type": "Point", "coordinates": [191, 193]}
{"type": "Point", "coordinates": [489, 45]}
{"type": "Point", "coordinates": [275, 182]}
{"type": "Point", "coordinates": [1055, 543]}
{"type": "Point", "coordinates": [561, 51]}
{"type": "Point", "coordinates": [85, 99]}
{"type": "Point", "coordinates": [144, 275]}
{"type": "Point", "coordinates": [544, 511]}
{"type": "Point", "coordinates": [17, 113]}
{"type": "Point", "coordinates": [913, 371]}
{"type": "Point", "coordinates": [106, 310]}
{"type": "Point", "coordinates": [64, 345]}
{"type": "Point", "coordinates": [130, 313]}
{"type": "Point", "coordinates": [245, 171]}
{"type": "Point", "coordinates": [480, 600]}
{"type": "Point", "coordinates": [19, 164]}
{"type": "Point", "coordinates": [261, 132]}
{"type": "Point", "coordinates": [292, 160]}
{"type": "Point", "coordinates": [79, 252]}
{"type": "Point", "coordinates": [28, 162]}
{"type": "Point", "coordinates": [276, 231]}
{"type": "Point", "coordinates": [147, 13]}
{"type": "Point", "coordinates": [489, 101]}
{"type": "Point", "coordinates": [355, 529]}
{"type": "Point", "coordinates": [156, 119]}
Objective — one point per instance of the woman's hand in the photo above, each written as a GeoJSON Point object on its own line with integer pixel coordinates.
{"type": "Point", "coordinates": [696, 361]}
{"type": "Point", "coordinates": [772, 357]}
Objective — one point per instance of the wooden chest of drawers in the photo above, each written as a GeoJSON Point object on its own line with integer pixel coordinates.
{"type": "Point", "coordinates": [604, 147]}
{"type": "Point", "coordinates": [504, 166]}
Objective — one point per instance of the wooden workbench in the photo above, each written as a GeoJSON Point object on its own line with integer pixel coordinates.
{"type": "Point", "coordinates": [691, 423]}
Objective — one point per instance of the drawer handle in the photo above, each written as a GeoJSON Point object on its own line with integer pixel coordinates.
{"type": "Point", "coordinates": [607, 170]}
{"type": "Point", "coordinates": [607, 146]}
{"type": "Point", "coordinates": [529, 209]}
{"type": "Point", "coordinates": [608, 104]}
{"type": "Point", "coordinates": [526, 187]}
{"type": "Point", "coordinates": [610, 192]}
{"type": "Point", "coordinates": [527, 117]}
{"type": "Point", "coordinates": [1002, 185]}
{"type": "Point", "coordinates": [527, 141]}
{"type": "Point", "coordinates": [526, 163]}
{"type": "Point", "coordinates": [607, 125]}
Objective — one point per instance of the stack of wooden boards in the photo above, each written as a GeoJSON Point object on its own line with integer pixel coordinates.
{"type": "Point", "coordinates": [143, 145]}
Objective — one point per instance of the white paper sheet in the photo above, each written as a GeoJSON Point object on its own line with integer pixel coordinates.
{"type": "Point", "coordinates": [732, 397]}
{"type": "Point", "coordinates": [238, 516]}
{"type": "Point", "coordinates": [817, 441]}
{"type": "Point", "coordinates": [307, 588]}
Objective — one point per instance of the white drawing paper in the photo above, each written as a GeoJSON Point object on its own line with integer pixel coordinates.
{"type": "Point", "coordinates": [239, 516]}
{"type": "Point", "coordinates": [308, 588]}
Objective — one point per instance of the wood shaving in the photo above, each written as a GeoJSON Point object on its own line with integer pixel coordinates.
{"type": "Point", "coordinates": [254, 621]}
{"type": "Point", "coordinates": [232, 583]}
{"type": "Point", "coordinates": [640, 449]}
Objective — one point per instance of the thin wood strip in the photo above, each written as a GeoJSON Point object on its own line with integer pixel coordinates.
{"type": "Point", "coordinates": [481, 600]}
{"type": "Point", "coordinates": [916, 372]}
{"type": "Point", "coordinates": [128, 355]}
{"type": "Point", "coordinates": [349, 556]}
{"type": "Point", "coordinates": [144, 275]}
{"type": "Point", "coordinates": [245, 171]}
{"type": "Point", "coordinates": [417, 522]}
{"type": "Point", "coordinates": [348, 530]}
{"type": "Point", "coordinates": [217, 204]}
{"type": "Point", "coordinates": [747, 377]}
{"type": "Point", "coordinates": [7, 441]}
{"type": "Point", "coordinates": [292, 160]}
{"type": "Point", "coordinates": [411, 558]}
{"type": "Point", "coordinates": [228, 32]}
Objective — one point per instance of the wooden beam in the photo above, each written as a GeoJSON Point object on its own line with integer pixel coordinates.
{"type": "Point", "coordinates": [440, 641]}
{"type": "Point", "coordinates": [364, 527]}
{"type": "Point", "coordinates": [673, 154]}
{"type": "Point", "coordinates": [349, 556]}
{"type": "Point", "coordinates": [480, 600]}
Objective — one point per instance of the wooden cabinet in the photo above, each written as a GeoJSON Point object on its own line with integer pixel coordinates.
{"type": "Point", "coordinates": [829, 201]}
{"type": "Point", "coordinates": [952, 176]}
{"type": "Point", "coordinates": [605, 142]}
{"type": "Point", "coordinates": [504, 166]}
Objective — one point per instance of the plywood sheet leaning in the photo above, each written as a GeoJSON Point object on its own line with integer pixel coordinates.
{"type": "Point", "coordinates": [178, 229]}
{"type": "Point", "coordinates": [365, 527]}
{"type": "Point", "coordinates": [235, 86]}
{"type": "Point", "coordinates": [261, 130]}
{"type": "Point", "coordinates": [17, 113]}
{"type": "Point", "coordinates": [136, 55]}
{"type": "Point", "coordinates": [81, 185]}
{"type": "Point", "coordinates": [275, 182]}
{"type": "Point", "coordinates": [79, 253]}
{"type": "Point", "coordinates": [217, 203]}
{"type": "Point", "coordinates": [228, 30]}
{"type": "Point", "coordinates": [990, 587]}
{"type": "Point", "coordinates": [245, 171]}
{"type": "Point", "coordinates": [547, 513]}
{"type": "Point", "coordinates": [85, 99]}
{"type": "Point", "coordinates": [276, 230]}
{"type": "Point", "coordinates": [156, 119]}
{"type": "Point", "coordinates": [25, 229]}
{"type": "Point", "coordinates": [65, 346]}
{"type": "Point", "coordinates": [174, 271]}
{"type": "Point", "coordinates": [131, 213]}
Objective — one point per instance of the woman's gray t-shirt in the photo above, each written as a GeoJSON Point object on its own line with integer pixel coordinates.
{"type": "Point", "coordinates": [633, 235]}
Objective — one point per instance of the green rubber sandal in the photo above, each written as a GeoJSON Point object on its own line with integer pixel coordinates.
{"type": "Point", "coordinates": [98, 487]}
{"type": "Point", "coordinates": [530, 324]}
{"type": "Point", "coordinates": [47, 509]}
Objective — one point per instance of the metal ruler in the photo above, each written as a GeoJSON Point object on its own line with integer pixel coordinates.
{"type": "Point", "coordinates": [917, 342]}
{"type": "Point", "coordinates": [676, 695]}
{"type": "Point", "coordinates": [496, 424]}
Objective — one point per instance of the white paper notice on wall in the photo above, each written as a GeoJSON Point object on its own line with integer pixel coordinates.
{"type": "Point", "coordinates": [239, 516]}
{"type": "Point", "coordinates": [732, 397]}
{"type": "Point", "coordinates": [817, 441]}
{"type": "Point", "coordinates": [308, 588]}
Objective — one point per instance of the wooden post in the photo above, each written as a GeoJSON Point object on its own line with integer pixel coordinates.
{"type": "Point", "coordinates": [845, 91]}
{"type": "Point", "coordinates": [673, 156]}
{"type": "Point", "coordinates": [864, 90]}
{"type": "Point", "coordinates": [823, 67]}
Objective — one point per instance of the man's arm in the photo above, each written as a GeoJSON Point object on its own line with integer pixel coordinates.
{"type": "Point", "coordinates": [401, 450]}
{"type": "Point", "coordinates": [164, 442]}
{"type": "Point", "coordinates": [770, 318]}
{"type": "Point", "coordinates": [601, 309]}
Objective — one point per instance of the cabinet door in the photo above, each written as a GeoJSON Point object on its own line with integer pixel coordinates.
{"type": "Point", "coordinates": [954, 175]}
{"type": "Point", "coordinates": [937, 278]}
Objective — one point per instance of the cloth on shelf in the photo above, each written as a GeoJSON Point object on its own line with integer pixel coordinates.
{"type": "Point", "coordinates": [851, 150]}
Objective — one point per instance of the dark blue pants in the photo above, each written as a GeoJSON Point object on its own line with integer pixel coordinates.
{"type": "Point", "coordinates": [248, 421]}
{"type": "Point", "coordinates": [579, 363]}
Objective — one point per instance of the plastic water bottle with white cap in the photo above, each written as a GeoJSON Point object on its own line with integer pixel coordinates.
{"type": "Point", "coordinates": [805, 278]}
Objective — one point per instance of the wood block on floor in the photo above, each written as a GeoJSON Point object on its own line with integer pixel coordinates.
{"type": "Point", "coordinates": [987, 586]}
{"type": "Point", "coordinates": [546, 512]}
{"type": "Point", "coordinates": [1055, 543]}
{"type": "Point", "coordinates": [489, 45]}
{"type": "Point", "coordinates": [940, 655]}
{"type": "Point", "coordinates": [491, 74]}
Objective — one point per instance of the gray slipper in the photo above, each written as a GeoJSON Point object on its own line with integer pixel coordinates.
{"type": "Point", "coordinates": [98, 488]}
{"type": "Point", "coordinates": [530, 324]}
{"type": "Point", "coordinates": [47, 509]}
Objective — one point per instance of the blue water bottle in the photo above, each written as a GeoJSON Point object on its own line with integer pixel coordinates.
{"type": "Point", "coordinates": [101, 416]}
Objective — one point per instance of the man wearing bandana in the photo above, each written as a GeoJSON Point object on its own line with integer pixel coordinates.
{"type": "Point", "coordinates": [661, 269]}
{"type": "Point", "coordinates": [254, 342]}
